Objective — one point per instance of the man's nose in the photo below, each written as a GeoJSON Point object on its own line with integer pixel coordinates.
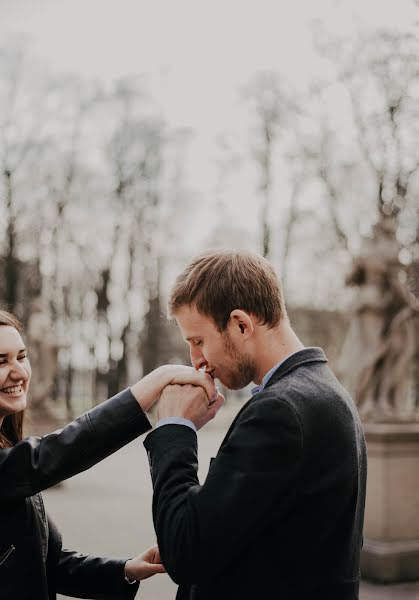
{"type": "Point", "coordinates": [197, 359]}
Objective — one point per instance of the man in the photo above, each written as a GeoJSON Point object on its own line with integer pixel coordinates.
{"type": "Point", "coordinates": [280, 514]}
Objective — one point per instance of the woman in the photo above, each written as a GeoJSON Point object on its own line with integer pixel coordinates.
{"type": "Point", "coordinates": [33, 565]}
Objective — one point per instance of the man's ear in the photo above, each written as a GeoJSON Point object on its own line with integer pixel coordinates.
{"type": "Point", "coordinates": [241, 324]}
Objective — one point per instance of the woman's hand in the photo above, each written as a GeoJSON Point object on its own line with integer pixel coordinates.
{"type": "Point", "coordinates": [145, 565]}
{"type": "Point", "coordinates": [149, 388]}
{"type": "Point", "coordinates": [182, 375]}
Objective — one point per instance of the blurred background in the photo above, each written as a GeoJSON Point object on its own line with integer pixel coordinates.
{"type": "Point", "coordinates": [135, 134]}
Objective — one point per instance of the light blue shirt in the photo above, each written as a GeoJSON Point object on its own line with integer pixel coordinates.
{"type": "Point", "coordinates": [268, 375]}
{"type": "Point", "coordinates": [253, 391]}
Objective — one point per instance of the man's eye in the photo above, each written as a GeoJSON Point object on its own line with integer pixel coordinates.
{"type": "Point", "coordinates": [22, 356]}
{"type": "Point", "coordinates": [199, 343]}
{"type": "Point", "coordinates": [3, 362]}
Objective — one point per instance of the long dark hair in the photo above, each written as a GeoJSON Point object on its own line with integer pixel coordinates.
{"type": "Point", "coordinates": [11, 430]}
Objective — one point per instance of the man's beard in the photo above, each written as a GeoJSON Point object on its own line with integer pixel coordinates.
{"type": "Point", "coordinates": [245, 369]}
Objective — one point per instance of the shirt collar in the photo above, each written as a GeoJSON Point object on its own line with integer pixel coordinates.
{"type": "Point", "coordinates": [268, 375]}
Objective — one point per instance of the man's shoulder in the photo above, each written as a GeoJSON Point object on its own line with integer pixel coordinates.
{"type": "Point", "coordinates": [311, 390]}
{"type": "Point", "coordinates": [269, 404]}
{"type": "Point", "coordinates": [310, 379]}
{"type": "Point", "coordinates": [266, 417]}
{"type": "Point", "coordinates": [317, 398]}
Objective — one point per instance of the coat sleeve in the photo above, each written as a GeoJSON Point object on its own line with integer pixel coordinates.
{"type": "Point", "coordinates": [201, 530]}
{"type": "Point", "coordinates": [85, 576]}
{"type": "Point", "coordinates": [93, 577]}
{"type": "Point", "coordinates": [35, 464]}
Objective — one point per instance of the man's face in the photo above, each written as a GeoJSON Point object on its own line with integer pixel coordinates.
{"type": "Point", "coordinates": [216, 351]}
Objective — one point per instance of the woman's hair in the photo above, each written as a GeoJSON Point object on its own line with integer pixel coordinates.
{"type": "Point", "coordinates": [11, 430]}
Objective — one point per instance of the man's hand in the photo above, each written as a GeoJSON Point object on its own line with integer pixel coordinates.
{"type": "Point", "coordinates": [145, 565]}
{"type": "Point", "coordinates": [148, 389]}
{"type": "Point", "coordinates": [190, 402]}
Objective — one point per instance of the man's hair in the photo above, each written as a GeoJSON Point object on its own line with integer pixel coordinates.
{"type": "Point", "coordinates": [219, 282]}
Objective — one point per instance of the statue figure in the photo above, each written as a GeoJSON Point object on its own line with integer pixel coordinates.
{"type": "Point", "coordinates": [378, 352]}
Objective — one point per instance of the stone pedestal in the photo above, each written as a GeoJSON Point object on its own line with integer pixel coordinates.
{"type": "Point", "coordinates": [391, 531]}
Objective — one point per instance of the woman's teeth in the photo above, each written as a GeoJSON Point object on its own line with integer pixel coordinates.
{"type": "Point", "coordinates": [12, 390]}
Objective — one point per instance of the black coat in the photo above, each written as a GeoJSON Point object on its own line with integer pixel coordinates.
{"type": "Point", "coordinates": [280, 514]}
{"type": "Point", "coordinates": [33, 565]}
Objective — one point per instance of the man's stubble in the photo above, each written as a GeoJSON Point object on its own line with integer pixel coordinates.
{"type": "Point", "coordinates": [245, 368]}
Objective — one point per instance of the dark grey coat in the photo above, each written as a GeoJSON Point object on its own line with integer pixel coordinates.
{"type": "Point", "coordinates": [281, 512]}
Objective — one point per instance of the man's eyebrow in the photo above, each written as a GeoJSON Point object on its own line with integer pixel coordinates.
{"type": "Point", "coordinates": [191, 337]}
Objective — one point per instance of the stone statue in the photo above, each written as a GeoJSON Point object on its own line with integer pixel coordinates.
{"type": "Point", "coordinates": [378, 351]}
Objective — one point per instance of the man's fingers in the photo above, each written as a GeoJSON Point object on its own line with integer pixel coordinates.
{"type": "Point", "coordinates": [213, 399]}
{"type": "Point", "coordinates": [189, 375]}
{"type": "Point", "coordinates": [205, 381]}
{"type": "Point", "coordinates": [209, 385]}
{"type": "Point", "coordinates": [216, 404]}
{"type": "Point", "coordinates": [183, 375]}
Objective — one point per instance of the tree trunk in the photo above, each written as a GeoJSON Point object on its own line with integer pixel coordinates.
{"type": "Point", "coordinates": [11, 267]}
{"type": "Point", "coordinates": [151, 335]}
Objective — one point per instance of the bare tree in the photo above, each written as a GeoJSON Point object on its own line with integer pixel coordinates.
{"type": "Point", "coordinates": [273, 107]}
{"type": "Point", "coordinates": [135, 156]}
{"type": "Point", "coordinates": [22, 139]}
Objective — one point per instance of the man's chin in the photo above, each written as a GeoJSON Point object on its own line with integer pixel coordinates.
{"type": "Point", "coordinates": [234, 385]}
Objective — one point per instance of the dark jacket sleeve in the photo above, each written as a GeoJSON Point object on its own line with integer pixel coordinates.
{"type": "Point", "coordinates": [95, 577]}
{"type": "Point", "coordinates": [202, 529]}
{"type": "Point", "coordinates": [82, 576]}
{"type": "Point", "coordinates": [35, 464]}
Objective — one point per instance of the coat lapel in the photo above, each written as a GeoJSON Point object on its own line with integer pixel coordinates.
{"type": "Point", "coordinates": [307, 355]}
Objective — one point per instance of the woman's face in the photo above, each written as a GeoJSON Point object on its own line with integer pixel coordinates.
{"type": "Point", "coordinates": [15, 372]}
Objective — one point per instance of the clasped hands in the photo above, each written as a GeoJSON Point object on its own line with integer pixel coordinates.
{"type": "Point", "coordinates": [181, 391]}
{"type": "Point", "coordinates": [192, 395]}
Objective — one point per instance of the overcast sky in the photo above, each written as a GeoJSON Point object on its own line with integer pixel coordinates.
{"type": "Point", "coordinates": [198, 52]}
{"type": "Point", "coordinates": [203, 49]}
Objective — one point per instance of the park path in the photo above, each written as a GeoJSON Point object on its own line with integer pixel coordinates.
{"type": "Point", "coordinates": [107, 511]}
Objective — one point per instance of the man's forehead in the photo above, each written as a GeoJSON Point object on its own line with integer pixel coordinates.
{"type": "Point", "coordinates": [191, 322]}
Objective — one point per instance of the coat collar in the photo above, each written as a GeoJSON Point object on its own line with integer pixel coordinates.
{"type": "Point", "coordinates": [307, 355]}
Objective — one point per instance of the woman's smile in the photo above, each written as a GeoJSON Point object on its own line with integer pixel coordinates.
{"type": "Point", "coordinates": [14, 391]}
